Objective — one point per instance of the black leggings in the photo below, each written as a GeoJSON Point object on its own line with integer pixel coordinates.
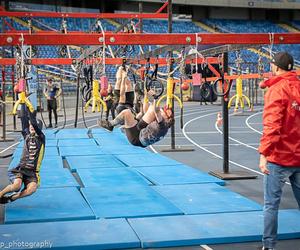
{"type": "Point", "coordinates": [51, 105]}
{"type": "Point", "coordinates": [110, 107]}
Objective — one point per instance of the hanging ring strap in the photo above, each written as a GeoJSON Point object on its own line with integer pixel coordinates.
{"type": "Point", "coordinates": [104, 45]}
{"type": "Point", "coordinates": [271, 40]}
{"type": "Point", "coordinates": [197, 53]}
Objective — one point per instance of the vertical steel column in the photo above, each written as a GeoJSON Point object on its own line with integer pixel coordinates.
{"type": "Point", "coordinates": [225, 122]}
{"type": "Point", "coordinates": [170, 17]}
{"type": "Point", "coordinates": [77, 99]}
{"type": "Point", "coordinates": [226, 174]}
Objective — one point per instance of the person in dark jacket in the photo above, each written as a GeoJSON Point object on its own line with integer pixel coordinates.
{"type": "Point", "coordinates": [51, 92]}
{"type": "Point", "coordinates": [109, 100]}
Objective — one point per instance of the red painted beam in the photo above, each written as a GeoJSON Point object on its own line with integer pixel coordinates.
{"type": "Point", "coordinates": [83, 15]}
{"type": "Point", "coordinates": [108, 61]}
{"type": "Point", "coordinates": [162, 7]}
{"type": "Point", "coordinates": [81, 38]}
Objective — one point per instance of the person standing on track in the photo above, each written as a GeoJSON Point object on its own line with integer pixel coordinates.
{"type": "Point", "coordinates": [280, 143]}
{"type": "Point", "coordinates": [51, 93]}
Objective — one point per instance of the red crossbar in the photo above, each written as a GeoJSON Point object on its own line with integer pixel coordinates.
{"type": "Point", "coordinates": [108, 61]}
{"type": "Point", "coordinates": [84, 15]}
{"type": "Point", "coordinates": [81, 38]}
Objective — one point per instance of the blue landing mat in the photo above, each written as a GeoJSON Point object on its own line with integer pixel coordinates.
{"type": "Point", "coordinates": [146, 160]}
{"type": "Point", "coordinates": [115, 132]}
{"type": "Point", "coordinates": [95, 131]}
{"type": "Point", "coordinates": [48, 163]}
{"type": "Point", "coordinates": [52, 163]}
{"type": "Point", "coordinates": [76, 142]}
{"type": "Point", "coordinates": [123, 149]}
{"type": "Point", "coordinates": [177, 174]}
{"type": "Point", "coordinates": [128, 201]}
{"type": "Point", "coordinates": [87, 234]}
{"type": "Point", "coordinates": [51, 143]}
{"type": "Point", "coordinates": [93, 161]}
{"type": "Point", "coordinates": [83, 150]}
{"type": "Point", "coordinates": [103, 139]}
{"type": "Point", "coordinates": [51, 151]}
{"type": "Point", "coordinates": [206, 199]}
{"type": "Point", "coordinates": [113, 177]}
{"type": "Point", "coordinates": [49, 204]}
{"type": "Point", "coordinates": [170, 231]}
{"type": "Point", "coordinates": [72, 134]}
{"type": "Point", "coordinates": [50, 133]}
{"type": "Point", "coordinates": [58, 178]}
{"type": "Point", "coordinates": [17, 152]}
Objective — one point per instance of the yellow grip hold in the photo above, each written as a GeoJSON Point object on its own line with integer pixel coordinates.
{"type": "Point", "coordinates": [239, 87]}
{"type": "Point", "coordinates": [169, 95]}
{"type": "Point", "coordinates": [22, 100]}
{"type": "Point", "coordinates": [239, 96]}
{"type": "Point", "coordinates": [96, 100]}
{"type": "Point", "coordinates": [170, 90]}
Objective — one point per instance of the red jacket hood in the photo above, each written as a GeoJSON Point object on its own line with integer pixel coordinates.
{"type": "Point", "coordinates": [290, 76]}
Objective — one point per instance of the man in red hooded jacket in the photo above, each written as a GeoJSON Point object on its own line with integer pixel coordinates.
{"type": "Point", "coordinates": [280, 143]}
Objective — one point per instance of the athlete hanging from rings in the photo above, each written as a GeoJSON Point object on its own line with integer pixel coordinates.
{"type": "Point", "coordinates": [147, 127]}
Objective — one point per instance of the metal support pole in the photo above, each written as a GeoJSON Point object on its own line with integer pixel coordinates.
{"type": "Point", "coordinates": [13, 93]}
{"type": "Point", "coordinates": [3, 137]}
{"type": "Point", "coordinates": [226, 174]}
{"type": "Point", "coordinates": [170, 55]}
{"type": "Point", "coordinates": [77, 99]}
{"type": "Point", "coordinates": [170, 15]}
{"type": "Point", "coordinates": [225, 122]}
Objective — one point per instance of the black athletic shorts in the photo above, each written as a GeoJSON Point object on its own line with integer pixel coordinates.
{"type": "Point", "coordinates": [133, 134]}
{"type": "Point", "coordinates": [129, 97]}
{"type": "Point", "coordinates": [27, 176]}
{"type": "Point", "coordinates": [123, 106]}
{"type": "Point", "coordinates": [51, 104]}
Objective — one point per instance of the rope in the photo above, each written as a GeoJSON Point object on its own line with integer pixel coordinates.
{"type": "Point", "coordinates": [197, 53]}
{"type": "Point", "coordinates": [271, 39]}
{"type": "Point", "coordinates": [104, 46]}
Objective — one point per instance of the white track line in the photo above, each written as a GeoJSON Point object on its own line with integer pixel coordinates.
{"type": "Point", "coordinates": [206, 247]}
{"type": "Point", "coordinates": [197, 112]}
{"type": "Point", "coordinates": [9, 147]}
{"type": "Point", "coordinates": [248, 124]}
{"type": "Point", "coordinates": [208, 151]}
{"type": "Point", "coordinates": [241, 143]}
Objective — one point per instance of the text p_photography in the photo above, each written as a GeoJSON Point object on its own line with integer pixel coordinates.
{"type": "Point", "coordinates": [16, 244]}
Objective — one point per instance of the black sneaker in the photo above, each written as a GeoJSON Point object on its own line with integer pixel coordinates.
{"type": "Point", "coordinates": [106, 124]}
{"type": "Point", "coordinates": [5, 199]}
{"type": "Point", "coordinates": [266, 248]}
{"type": "Point", "coordinates": [50, 126]}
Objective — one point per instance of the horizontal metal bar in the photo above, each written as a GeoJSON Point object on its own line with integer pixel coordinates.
{"type": "Point", "coordinates": [81, 38]}
{"type": "Point", "coordinates": [108, 61]}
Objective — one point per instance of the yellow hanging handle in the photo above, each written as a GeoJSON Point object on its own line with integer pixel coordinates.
{"type": "Point", "coordinates": [95, 99]}
{"type": "Point", "coordinates": [169, 95]}
{"type": "Point", "coordinates": [22, 98]}
{"type": "Point", "coordinates": [239, 96]}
